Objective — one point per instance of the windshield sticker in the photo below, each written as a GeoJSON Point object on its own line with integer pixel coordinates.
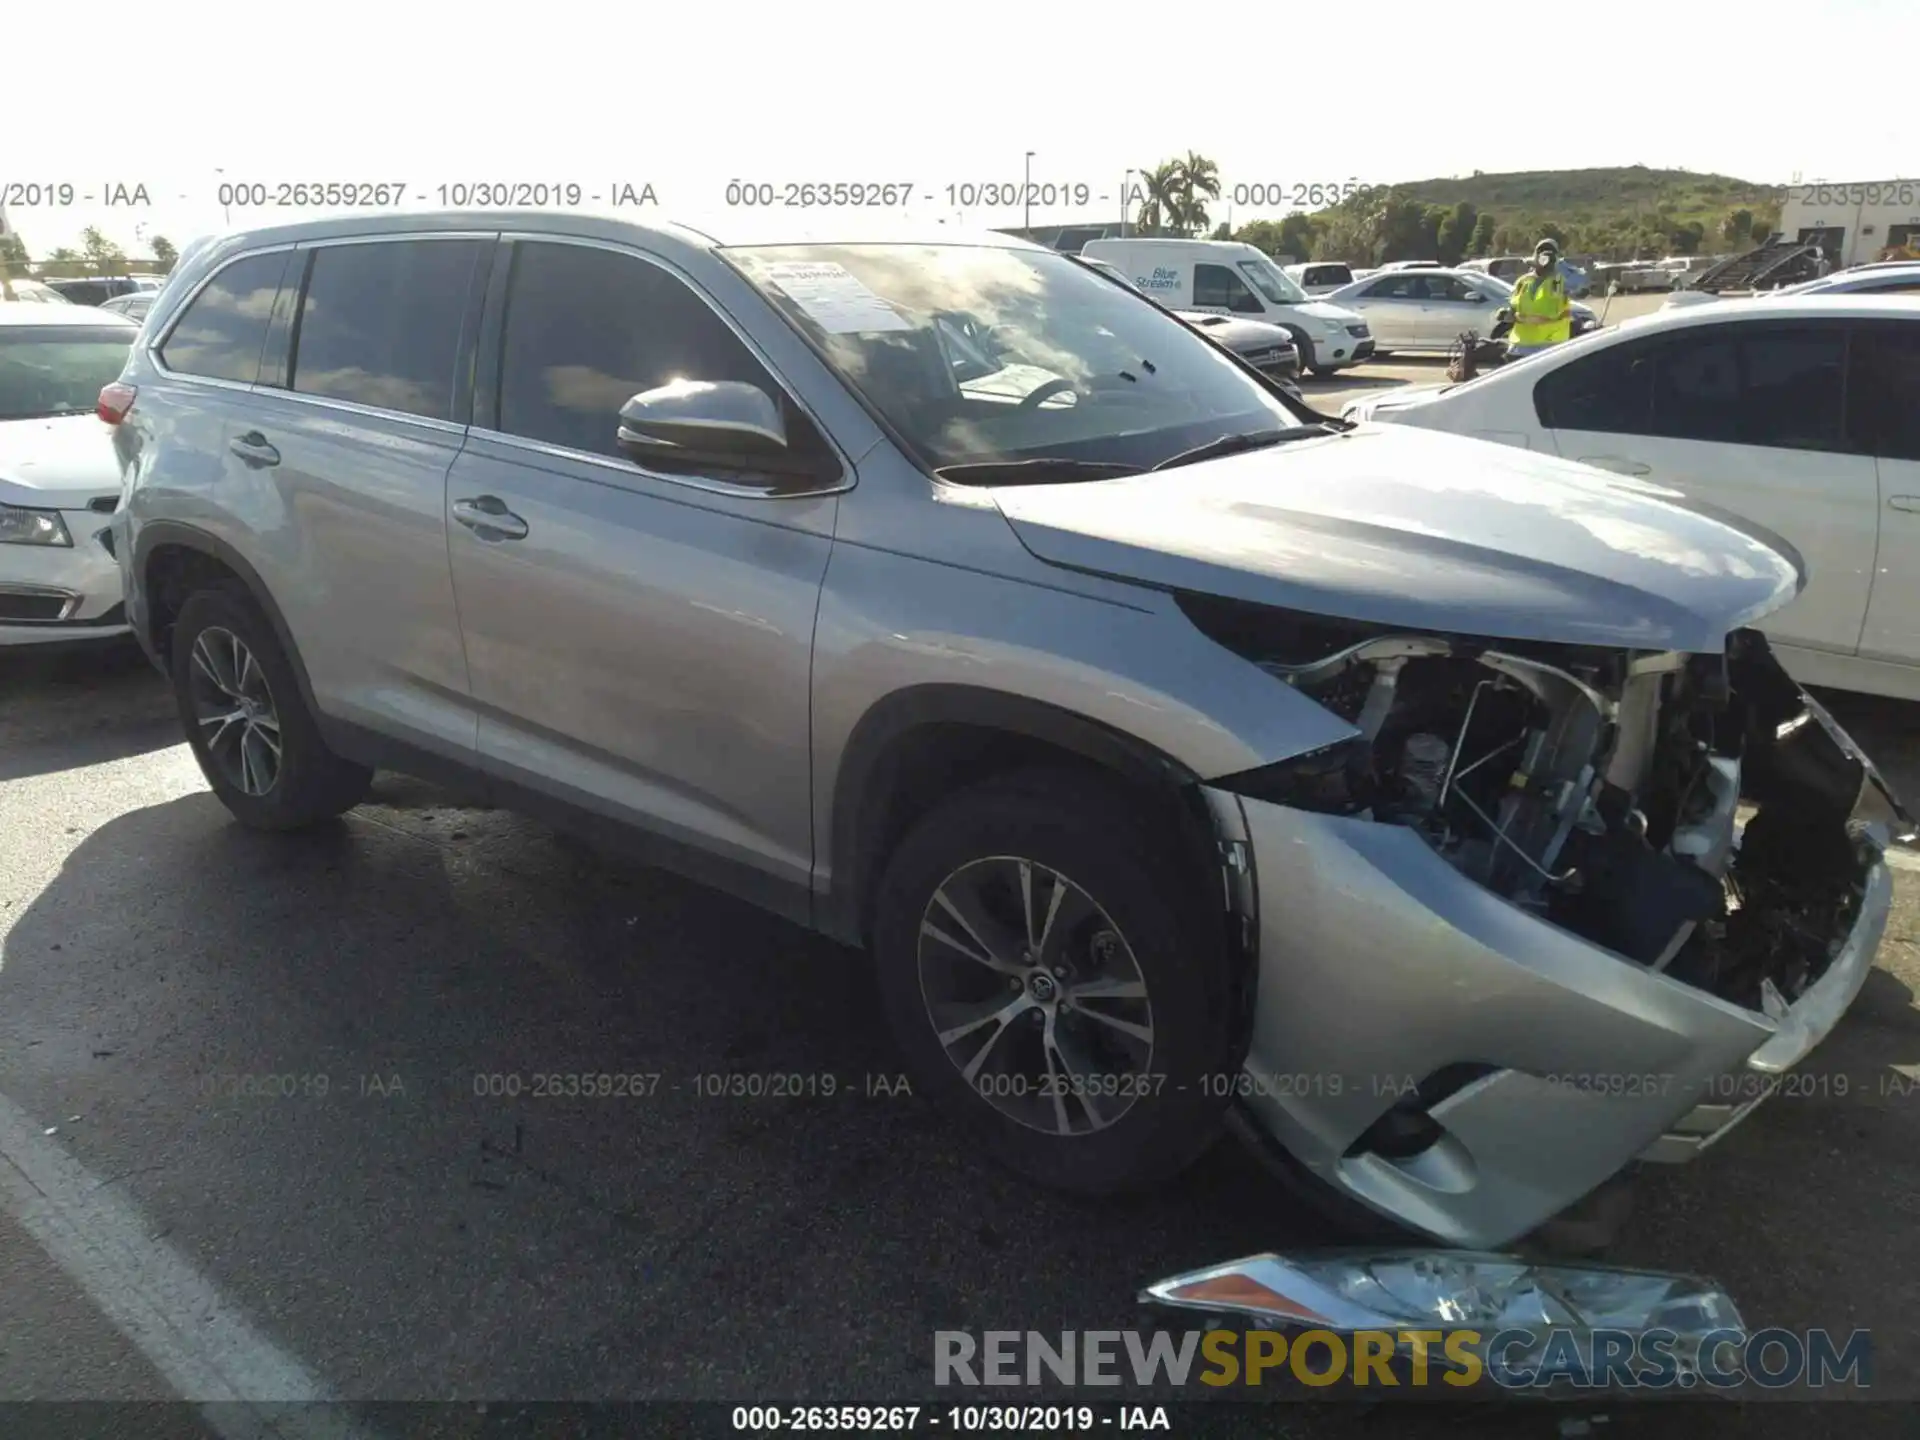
{"type": "Point", "coordinates": [834, 298]}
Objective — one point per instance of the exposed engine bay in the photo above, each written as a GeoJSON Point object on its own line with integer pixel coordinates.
{"type": "Point", "coordinates": [1696, 814]}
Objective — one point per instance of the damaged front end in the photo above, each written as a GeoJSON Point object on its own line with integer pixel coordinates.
{"type": "Point", "coordinates": [1666, 820]}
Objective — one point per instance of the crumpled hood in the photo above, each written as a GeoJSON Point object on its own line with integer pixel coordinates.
{"type": "Point", "coordinates": [1414, 528]}
{"type": "Point", "coordinates": [59, 463]}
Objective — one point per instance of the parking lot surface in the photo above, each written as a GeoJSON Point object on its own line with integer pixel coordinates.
{"type": "Point", "coordinates": [295, 1083]}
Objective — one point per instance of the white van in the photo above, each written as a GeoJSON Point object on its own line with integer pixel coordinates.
{"type": "Point", "coordinates": [1229, 277]}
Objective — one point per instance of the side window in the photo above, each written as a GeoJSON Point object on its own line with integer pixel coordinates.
{"type": "Point", "coordinates": [588, 329]}
{"type": "Point", "coordinates": [1610, 392]}
{"type": "Point", "coordinates": [221, 332]}
{"type": "Point", "coordinates": [1696, 389]}
{"type": "Point", "coordinates": [1883, 391]}
{"type": "Point", "coordinates": [1216, 287]}
{"type": "Point", "coordinates": [1792, 387]}
{"type": "Point", "coordinates": [380, 324]}
{"type": "Point", "coordinates": [1394, 287]}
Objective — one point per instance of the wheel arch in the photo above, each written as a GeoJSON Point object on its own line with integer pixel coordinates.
{"type": "Point", "coordinates": [918, 745]}
{"type": "Point", "coordinates": [169, 557]}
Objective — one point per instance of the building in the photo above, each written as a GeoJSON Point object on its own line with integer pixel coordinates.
{"type": "Point", "coordinates": [1854, 223]}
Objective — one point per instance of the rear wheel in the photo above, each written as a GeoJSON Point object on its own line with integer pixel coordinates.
{"type": "Point", "coordinates": [1055, 983]}
{"type": "Point", "coordinates": [257, 743]}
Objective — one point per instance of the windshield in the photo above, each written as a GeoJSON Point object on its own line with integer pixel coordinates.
{"type": "Point", "coordinates": [58, 372]}
{"type": "Point", "coordinates": [1273, 282]}
{"type": "Point", "coordinates": [978, 355]}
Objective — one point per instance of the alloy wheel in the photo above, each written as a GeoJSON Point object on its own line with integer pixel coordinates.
{"type": "Point", "coordinates": [1036, 996]}
{"type": "Point", "coordinates": [234, 710]}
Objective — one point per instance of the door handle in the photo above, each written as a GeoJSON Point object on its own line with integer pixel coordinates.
{"type": "Point", "coordinates": [1903, 502]}
{"type": "Point", "coordinates": [253, 448]}
{"type": "Point", "coordinates": [1617, 465]}
{"type": "Point", "coordinates": [488, 517]}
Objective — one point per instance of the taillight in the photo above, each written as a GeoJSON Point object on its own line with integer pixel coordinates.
{"type": "Point", "coordinates": [115, 401]}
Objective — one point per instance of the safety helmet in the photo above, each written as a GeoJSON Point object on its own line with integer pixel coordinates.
{"type": "Point", "coordinates": [1548, 247]}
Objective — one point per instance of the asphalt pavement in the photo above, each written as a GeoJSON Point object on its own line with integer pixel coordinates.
{"type": "Point", "coordinates": [273, 1122]}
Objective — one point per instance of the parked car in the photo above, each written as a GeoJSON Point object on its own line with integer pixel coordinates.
{"type": "Point", "coordinates": [1320, 277]}
{"type": "Point", "coordinates": [35, 292]}
{"type": "Point", "coordinates": [1427, 310]}
{"type": "Point", "coordinates": [95, 289]}
{"type": "Point", "coordinates": [1267, 348]}
{"type": "Point", "coordinates": [1121, 733]}
{"type": "Point", "coordinates": [59, 477]}
{"type": "Point", "coordinates": [1511, 267]}
{"type": "Point", "coordinates": [1506, 267]}
{"type": "Point", "coordinates": [134, 305]}
{"type": "Point", "coordinates": [1802, 414]}
{"type": "Point", "coordinates": [1863, 280]}
{"type": "Point", "coordinates": [1229, 277]}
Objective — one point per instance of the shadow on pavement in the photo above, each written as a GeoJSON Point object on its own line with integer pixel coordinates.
{"type": "Point", "coordinates": [77, 706]}
{"type": "Point", "coordinates": [316, 1064]}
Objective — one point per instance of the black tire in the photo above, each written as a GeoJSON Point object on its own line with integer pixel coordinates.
{"type": "Point", "coordinates": [310, 783]}
{"type": "Point", "coordinates": [1325, 372]}
{"type": "Point", "coordinates": [1153, 896]}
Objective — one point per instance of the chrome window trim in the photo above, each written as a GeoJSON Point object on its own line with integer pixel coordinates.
{"type": "Point", "coordinates": [354, 407]}
{"type": "Point", "coordinates": [848, 478]}
{"type": "Point", "coordinates": [154, 346]}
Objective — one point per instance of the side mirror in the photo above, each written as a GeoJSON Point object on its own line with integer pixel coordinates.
{"type": "Point", "coordinates": [721, 424]}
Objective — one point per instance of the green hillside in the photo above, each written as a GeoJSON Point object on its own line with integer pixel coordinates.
{"type": "Point", "coordinates": [1615, 212]}
{"type": "Point", "coordinates": [1612, 189]}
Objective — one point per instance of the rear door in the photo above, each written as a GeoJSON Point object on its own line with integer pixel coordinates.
{"type": "Point", "coordinates": [357, 427]}
{"type": "Point", "coordinates": [1392, 310]}
{"type": "Point", "coordinates": [1883, 397]}
{"type": "Point", "coordinates": [1748, 417]}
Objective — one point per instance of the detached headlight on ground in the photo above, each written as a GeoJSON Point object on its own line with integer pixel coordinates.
{"type": "Point", "coordinates": [1501, 1297]}
{"type": "Point", "coordinates": [32, 527]}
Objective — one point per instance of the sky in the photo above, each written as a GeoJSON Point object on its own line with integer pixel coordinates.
{"type": "Point", "coordinates": [688, 98]}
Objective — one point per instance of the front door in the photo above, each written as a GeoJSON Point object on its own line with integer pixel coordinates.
{"type": "Point", "coordinates": [640, 642]}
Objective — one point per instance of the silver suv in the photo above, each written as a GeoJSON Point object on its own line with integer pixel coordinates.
{"type": "Point", "coordinates": [1175, 751]}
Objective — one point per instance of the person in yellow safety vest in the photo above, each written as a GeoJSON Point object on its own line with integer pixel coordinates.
{"type": "Point", "coordinates": [1542, 314]}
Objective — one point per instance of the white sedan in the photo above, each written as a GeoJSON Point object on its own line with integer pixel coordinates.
{"type": "Point", "coordinates": [59, 476]}
{"type": "Point", "coordinates": [1802, 415]}
{"type": "Point", "coordinates": [1424, 308]}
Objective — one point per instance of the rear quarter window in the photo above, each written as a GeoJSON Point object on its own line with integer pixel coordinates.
{"type": "Point", "coordinates": [221, 332]}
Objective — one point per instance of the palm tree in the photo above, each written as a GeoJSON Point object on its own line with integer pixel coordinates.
{"type": "Point", "coordinates": [1160, 204]}
{"type": "Point", "coordinates": [1197, 180]}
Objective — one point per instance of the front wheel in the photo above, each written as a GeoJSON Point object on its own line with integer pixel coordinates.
{"type": "Point", "coordinates": [257, 743]}
{"type": "Point", "coordinates": [1055, 983]}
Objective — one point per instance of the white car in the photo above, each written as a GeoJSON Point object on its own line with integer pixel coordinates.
{"type": "Point", "coordinates": [1800, 414]}
{"type": "Point", "coordinates": [1416, 308]}
{"type": "Point", "coordinates": [1230, 277]}
{"type": "Point", "coordinates": [59, 476]}
{"type": "Point", "coordinates": [1320, 277]}
{"type": "Point", "coordinates": [1896, 279]}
